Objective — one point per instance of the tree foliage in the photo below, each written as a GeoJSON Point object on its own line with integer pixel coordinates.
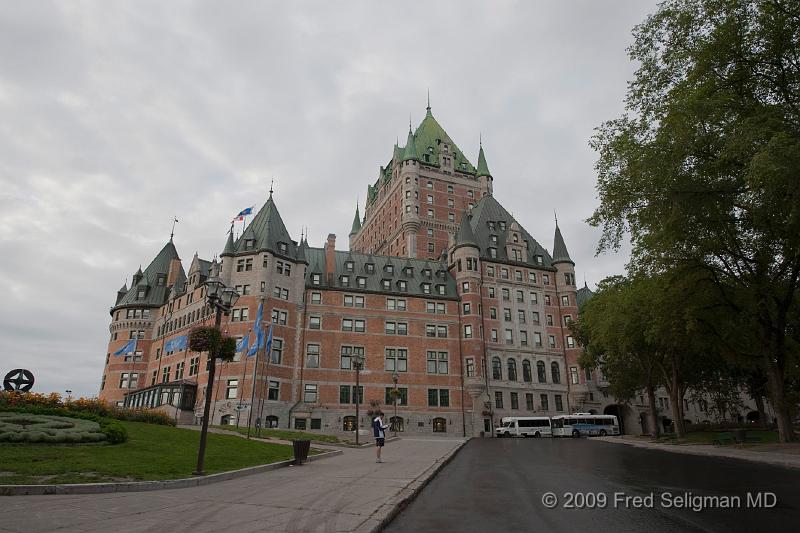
{"type": "Point", "coordinates": [701, 171]}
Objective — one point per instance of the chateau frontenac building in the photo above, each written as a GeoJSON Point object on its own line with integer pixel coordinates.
{"type": "Point", "coordinates": [441, 290]}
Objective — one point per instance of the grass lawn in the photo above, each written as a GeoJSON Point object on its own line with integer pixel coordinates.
{"type": "Point", "coordinates": [707, 437]}
{"type": "Point", "coordinates": [284, 434]}
{"type": "Point", "coordinates": [151, 452]}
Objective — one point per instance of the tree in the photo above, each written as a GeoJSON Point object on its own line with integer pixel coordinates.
{"type": "Point", "coordinates": [702, 169]}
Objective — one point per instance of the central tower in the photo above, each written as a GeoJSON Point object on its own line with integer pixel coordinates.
{"type": "Point", "coordinates": [415, 207]}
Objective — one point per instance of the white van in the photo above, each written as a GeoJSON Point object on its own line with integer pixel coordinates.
{"type": "Point", "coordinates": [524, 426]}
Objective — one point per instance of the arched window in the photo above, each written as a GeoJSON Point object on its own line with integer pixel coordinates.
{"type": "Point", "coordinates": [512, 370]}
{"type": "Point", "coordinates": [227, 420]}
{"type": "Point", "coordinates": [541, 372]}
{"type": "Point", "coordinates": [527, 377]}
{"type": "Point", "coordinates": [349, 423]}
{"type": "Point", "coordinates": [439, 425]}
{"type": "Point", "coordinates": [496, 368]}
{"type": "Point", "coordinates": [396, 423]}
{"type": "Point", "coordinates": [554, 370]}
{"type": "Point", "coordinates": [271, 421]}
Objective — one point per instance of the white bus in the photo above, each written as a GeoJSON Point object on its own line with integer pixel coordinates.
{"type": "Point", "coordinates": [524, 426]}
{"type": "Point", "coordinates": [585, 424]}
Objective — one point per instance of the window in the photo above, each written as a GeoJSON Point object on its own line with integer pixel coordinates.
{"type": "Point", "coordinates": [165, 374]}
{"type": "Point", "coordinates": [532, 277]}
{"type": "Point", "coordinates": [498, 399]}
{"type": "Point", "coordinates": [283, 267]}
{"type": "Point", "coordinates": [345, 280]}
{"type": "Point", "coordinates": [430, 199]}
{"type": "Point", "coordinates": [194, 366]}
{"type": "Point", "coordinates": [370, 268]}
{"type": "Point", "coordinates": [565, 300]}
{"type": "Point", "coordinates": [240, 315]}
{"type": "Point", "coordinates": [551, 341]}
{"type": "Point", "coordinates": [505, 293]}
{"type": "Point", "coordinates": [429, 232]}
{"type": "Point", "coordinates": [469, 365]}
{"type": "Point", "coordinates": [438, 398]}
{"type": "Point", "coordinates": [567, 319]}
{"type": "Point", "coordinates": [449, 189]}
{"type": "Point", "coordinates": [312, 356]}
{"type": "Point", "coordinates": [540, 371]}
{"type": "Point", "coordinates": [588, 374]}
{"type": "Point", "coordinates": [512, 370]}
{"type": "Point", "coordinates": [396, 328]}
{"type": "Point", "coordinates": [496, 368]}
{"type": "Point", "coordinates": [276, 351]}
{"type": "Point", "coordinates": [274, 389]}
{"type": "Point", "coordinates": [529, 401]}
{"type": "Point", "coordinates": [573, 375]}
{"type": "Point", "coordinates": [402, 286]}
{"type": "Point", "coordinates": [493, 313]}
{"type": "Point", "coordinates": [523, 338]}
{"type": "Point", "coordinates": [315, 279]}
{"type": "Point", "coordinates": [395, 304]}
{"type": "Point", "coordinates": [179, 370]}
{"type": "Point", "coordinates": [430, 213]}
{"type": "Point", "coordinates": [310, 393]}
{"type": "Point", "coordinates": [514, 401]}
{"type": "Point", "coordinates": [347, 353]}
{"type": "Point", "coordinates": [451, 217]}
{"type": "Point", "coordinates": [467, 331]}
{"type": "Point", "coordinates": [353, 301]}
{"type": "Point", "coordinates": [493, 336]}
{"type": "Point", "coordinates": [299, 423]}
{"type": "Point", "coordinates": [558, 402]}
{"type": "Point", "coordinates": [361, 282]}
{"type": "Point", "coordinates": [349, 266]}
{"type": "Point", "coordinates": [278, 292]}
{"type": "Point", "coordinates": [509, 336]}
{"type": "Point", "coordinates": [431, 247]}
{"type": "Point", "coordinates": [279, 317]}
{"type": "Point", "coordinates": [451, 203]}
{"type": "Point", "coordinates": [555, 372]}
{"type": "Point", "coordinates": [491, 293]}
{"type": "Point", "coordinates": [396, 360]}
{"type": "Point", "coordinates": [437, 362]}
{"type": "Point", "coordinates": [492, 253]}
{"type": "Point", "coordinates": [429, 185]}
{"type": "Point", "coordinates": [232, 389]}
{"type": "Point", "coordinates": [467, 308]}
{"type": "Point", "coordinates": [570, 341]}
{"type": "Point", "coordinates": [545, 403]}
{"type": "Point", "coordinates": [535, 317]}
{"type": "Point", "coordinates": [527, 377]}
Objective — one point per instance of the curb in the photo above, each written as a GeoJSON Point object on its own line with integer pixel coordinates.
{"type": "Point", "coordinates": [412, 490]}
{"type": "Point", "coordinates": [142, 486]}
{"type": "Point", "coordinates": [763, 458]}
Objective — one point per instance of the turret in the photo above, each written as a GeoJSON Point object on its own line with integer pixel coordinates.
{"type": "Point", "coordinates": [356, 228]}
{"type": "Point", "coordinates": [482, 172]}
{"type": "Point", "coordinates": [122, 292]}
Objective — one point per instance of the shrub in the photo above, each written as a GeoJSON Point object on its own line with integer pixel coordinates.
{"type": "Point", "coordinates": [28, 427]}
{"type": "Point", "coordinates": [115, 432]}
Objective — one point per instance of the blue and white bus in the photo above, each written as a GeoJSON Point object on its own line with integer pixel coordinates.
{"type": "Point", "coordinates": [585, 424]}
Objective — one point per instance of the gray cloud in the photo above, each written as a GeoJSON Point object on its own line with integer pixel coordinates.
{"type": "Point", "coordinates": [116, 116]}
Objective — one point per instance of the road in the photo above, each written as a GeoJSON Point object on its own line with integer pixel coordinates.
{"type": "Point", "coordinates": [498, 485]}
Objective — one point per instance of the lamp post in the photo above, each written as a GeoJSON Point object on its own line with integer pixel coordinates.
{"type": "Point", "coordinates": [220, 299]}
{"type": "Point", "coordinates": [358, 364]}
{"type": "Point", "coordinates": [395, 393]}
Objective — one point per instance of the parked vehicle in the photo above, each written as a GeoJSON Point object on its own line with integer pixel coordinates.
{"type": "Point", "coordinates": [585, 424]}
{"type": "Point", "coordinates": [524, 426]}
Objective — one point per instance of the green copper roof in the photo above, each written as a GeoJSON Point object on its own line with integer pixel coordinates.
{"type": "Point", "coordinates": [356, 223]}
{"type": "Point", "coordinates": [429, 140]}
{"type": "Point", "coordinates": [410, 152]}
{"type": "Point", "coordinates": [229, 247]}
{"type": "Point", "coordinates": [583, 295]}
{"type": "Point", "coordinates": [483, 169]}
{"type": "Point", "coordinates": [560, 253]}
{"type": "Point", "coordinates": [266, 232]}
{"type": "Point", "coordinates": [155, 294]}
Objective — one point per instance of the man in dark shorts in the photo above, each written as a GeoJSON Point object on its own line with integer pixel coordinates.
{"type": "Point", "coordinates": [378, 430]}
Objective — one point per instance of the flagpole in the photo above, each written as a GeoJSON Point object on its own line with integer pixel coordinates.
{"type": "Point", "coordinates": [265, 379]}
{"type": "Point", "coordinates": [239, 404]}
{"type": "Point", "coordinates": [252, 396]}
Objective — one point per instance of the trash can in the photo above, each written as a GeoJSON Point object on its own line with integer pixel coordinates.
{"type": "Point", "coordinates": [300, 448]}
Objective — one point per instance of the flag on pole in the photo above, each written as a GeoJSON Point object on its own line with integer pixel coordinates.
{"type": "Point", "coordinates": [175, 345]}
{"type": "Point", "coordinates": [259, 342]}
{"type": "Point", "coordinates": [269, 339]}
{"type": "Point", "coordinates": [128, 348]}
{"type": "Point", "coordinates": [243, 342]}
{"type": "Point", "coordinates": [243, 213]}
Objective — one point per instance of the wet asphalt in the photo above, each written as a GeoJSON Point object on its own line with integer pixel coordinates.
{"type": "Point", "coordinates": [499, 484]}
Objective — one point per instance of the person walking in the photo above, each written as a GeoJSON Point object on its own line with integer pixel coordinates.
{"type": "Point", "coordinates": [378, 430]}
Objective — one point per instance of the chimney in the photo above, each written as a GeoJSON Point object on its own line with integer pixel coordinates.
{"type": "Point", "coordinates": [174, 268]}
{"type": "Point", "coordinates": [330, 258]}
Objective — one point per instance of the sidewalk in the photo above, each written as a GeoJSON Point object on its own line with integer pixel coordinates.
{"type": "Point", "coordinates": [767, 454]}
{"type": "Point", "coordinates": [348, 492]}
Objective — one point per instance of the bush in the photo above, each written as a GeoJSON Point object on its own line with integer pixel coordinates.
{"type": "Point", "coordinates": [115, 432]}
{"type": "Point", "coordinates": [29, 400]}
{"type": "Point", "coordinates": [34, 428]}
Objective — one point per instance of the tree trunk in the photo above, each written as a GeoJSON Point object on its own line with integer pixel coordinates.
{"type": "Point", "coordinates": [762, 413]}
{"type": "Point", "coordinates": [778, 396]}
{"type": "Point", "coordinates": [674, 388]}
{"type": "Point", "coordinates": [651, 400]}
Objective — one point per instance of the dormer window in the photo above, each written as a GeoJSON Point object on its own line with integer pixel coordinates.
{"type": "Point", "coordinates": [426, 272]}
{"type": "Point", "coordinates": [429, 185]}
{"type": "Point", "coordinates": [490, 224]}
{"type": "Point", "coordinates": [408, 271]}
{"type": "Point", "coordinates": [493, 253]}
{"type": "Point", "coordinates": [539, 260]}
{"type": "Point", "coordinates": [401, 286]}
{"type": "Point", "coordinates": [140, 294]}
{"type": "Point", "coordinates": [515, 237]}
{"type": "Point", "coordinates": [315, 279]}
{"type": "Point", "coordinates": [370, 268]}
{"type": "Point", "coordinates": [282, 247]}
{"type": "Point", "coordinates": [440, 289]}
{"type": "Point", "coordinates": [361, 282]}
{"type": "Point", "coordinates": [345, 280]}
{"type": "Point", "coordinates": [389, 269]}
{"type": "Point", "coordinates": [426, 288]}
{"type": "Point", "coordinates": [349, 266]}
{"type": "Point", "coordinates": [386, 284]}
{"type": "Point", "coordinates": [249, 244]}
{"type": "Point", "coordinates": [502, 225]}
{"type": "Point", "coordinates": [493, 239]}
{"type": "Point", "coordinates": [161, 280]}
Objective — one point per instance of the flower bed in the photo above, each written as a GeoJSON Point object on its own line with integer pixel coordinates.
{"type": "Point", "coordinates": [27, 427]}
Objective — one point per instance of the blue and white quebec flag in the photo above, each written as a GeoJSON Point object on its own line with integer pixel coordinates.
{"type": "Point", "coordinates": [259, 331]}
{"type": "Point", "coordinates": [242, 344]}
{"type": "Point", "coordinates": [128, 348]}
{"type": "Point", "coordinates": [175, 345]}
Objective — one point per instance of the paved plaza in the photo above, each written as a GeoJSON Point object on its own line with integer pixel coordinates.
{"type": "Point", "coordinates": [348, 492]}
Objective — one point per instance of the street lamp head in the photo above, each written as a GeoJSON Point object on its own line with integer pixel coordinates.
{"type": "Point", "coordinates": [358, 360]}
{"type": "Point", "coordinates": [229, 297]}
{"type": "Point", "coordinates": [214, 287]}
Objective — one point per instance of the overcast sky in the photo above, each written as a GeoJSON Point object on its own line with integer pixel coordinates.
{"type": "Point", "coordinates": [115, 116]}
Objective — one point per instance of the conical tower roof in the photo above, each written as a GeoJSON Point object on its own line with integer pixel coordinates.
{"type": "Point", "coordinates": [483, 168]}
{"type": "Point", "coordinates": [155, 293]}
{"type": "Point", "coordinates": [229, 246]}
{"type": "Point", "coordinates": [560, 253]}
{"type": "Point", "coordinates": [430, 138]}
{"type": "Point", "coordinates": [410, 152]}
{"type": "Point", "coordinates": [267, 232]}
{"type": "Point", "coordinates": [465, 235]}
{"type": "Point", "coordinates": [356, 223]}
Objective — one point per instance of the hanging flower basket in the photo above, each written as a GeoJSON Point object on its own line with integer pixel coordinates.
{"type": "Point", "coordinates": [205, 339]}
{"type": "Point", "coordinates": [227, 349]}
